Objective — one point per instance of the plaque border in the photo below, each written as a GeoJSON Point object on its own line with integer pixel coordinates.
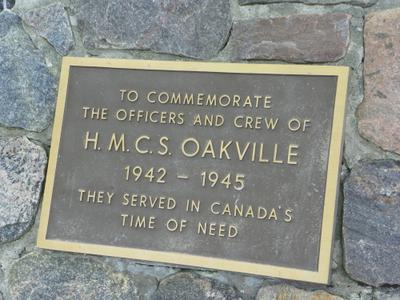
{"type": "Point", "coordinates": [188, 260]}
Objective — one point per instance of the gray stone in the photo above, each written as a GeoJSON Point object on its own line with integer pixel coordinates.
{"type": "Point", "coordinates": [341, 284]}
{"type": "Point", "coordinates": [383, 4]}
{"type": "Point", "coordinates": [294, 38]}
{"type": "Point", "coordinates": [379, 113]}
{"type": "Point", "coordinates": [192, 28]}
{"type": "Point", "coordinates": [9, 4]}
{"type": "Point", "coordinates": [371, 222]}
{"type": "Point", "coordinates": [363, 3]}
{"type": "Point", "coordinates": [52, 23]}
{"type": "Point", "coordinates": [281, 291]}
{"type": "Point", "coordinates": [387, 294]}
{"type": "Point", "coordinates": [248, 286]}
{"type": "Point", "coordinates": [39, 276]}
{"type": "Point", "coordinates": [23, 5]}
{"type": "Point", "coordinates": [22, 166]}
{"type": "Point", "coordinates": [131, 266]}
{"type": "Point", "coordinates": [27, 89]}
{"type": "Point", "coordinates": [189, 286]}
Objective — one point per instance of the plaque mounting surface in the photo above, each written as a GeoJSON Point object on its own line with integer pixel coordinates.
{"type": "Point", "coordinates": [224, 166]}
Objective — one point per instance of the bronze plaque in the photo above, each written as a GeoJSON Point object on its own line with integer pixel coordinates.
{"type": "Point", "coordinates": [223, 166]}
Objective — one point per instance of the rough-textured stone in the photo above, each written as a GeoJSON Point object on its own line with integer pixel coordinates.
{"type": "Point", "coordinates": [287, 292]}
{"type": "Point", "coordinates": [52, 23]}
{"type": "Point", "coordinates": [341, 284]}
{"type": "Point", "coordinates": [133, 267]}
{"type": "Point", "coordinates": [9, 4]}
{"type": "Point", "coordinates": [379, 113]}
{"type": "Point", "coordinates": [27, 89]}
{"type": "Point", "coordinates": [387, 294]}
{"type": "Point", "coordinates": [24, 5]}
{"type": "Point", "coordinates": [383, 4]}
{"type": "Point", "coordinates": [363, 3]}
{"type": "Point", "coordinates": [191, 28]}
{"type": "Point", "coordinates": [371, 222]}
{"type": "Point", "coordinates": [39, 276]}
{"type": "Point", "coordinates": [294, 38]}
{"type": "Point", "coordinates": [248, 286]}
{"type": "Point", "coordinates": [22, 165]}
{"type": "Point", "coordinates": [189, 286]}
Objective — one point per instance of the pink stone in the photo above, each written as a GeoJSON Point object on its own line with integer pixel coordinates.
{"type": "Point", "coordinates": [294, 38]}
{"type": "Point", "coordinates": [379, 113]}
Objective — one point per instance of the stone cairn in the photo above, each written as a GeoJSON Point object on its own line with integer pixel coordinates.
{"type": "Point", "coordinates": [361, 34]}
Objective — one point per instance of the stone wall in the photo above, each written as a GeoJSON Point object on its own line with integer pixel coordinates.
{"type": "Point", "coordinates": [362, 34]}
